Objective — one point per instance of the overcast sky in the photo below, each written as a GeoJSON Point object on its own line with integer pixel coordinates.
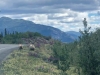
{"type": "Point", "coordinates": [67, 15]}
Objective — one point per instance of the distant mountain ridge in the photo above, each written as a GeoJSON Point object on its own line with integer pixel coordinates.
{"type": "Point", "coordinates": [21, 25]}
{"type": "Point", "coordinates": [73, 34]}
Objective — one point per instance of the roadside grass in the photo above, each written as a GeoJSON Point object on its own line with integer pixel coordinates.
{"type": "Point", "coordinates": [26, 62]}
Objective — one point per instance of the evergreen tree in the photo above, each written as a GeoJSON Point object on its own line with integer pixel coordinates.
{"type": "Point", "coordinates": [13, 33]}
{"type": "Point", "coordinates": [1, 35]}
{"type": "Point", "coordinates": [5, 31]}
{"type": "Point", "coordinates": [87, 60]}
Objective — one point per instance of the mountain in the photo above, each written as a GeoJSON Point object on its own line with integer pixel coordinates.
{"type": "Point", "coordinates": [73, 34]}
{"type": "Point", "coordinates": [21, 25]}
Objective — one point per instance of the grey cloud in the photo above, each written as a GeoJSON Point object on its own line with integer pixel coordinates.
{"type": "Point", "coordinates": [67, 22]}
{"type": "Point", "coordinates": [46, 6]}
{"type": "Point", "coordinates": [30, 11]}
{"type": "Point", "coordinates": [70, 14]}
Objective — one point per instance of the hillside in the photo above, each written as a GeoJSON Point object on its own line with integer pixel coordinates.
{"type": "Point", "coordinates": [33, 62]}
{"type": "Point", "coordinates": [40, 61]}
{"type": "Point", "coordinates": [52, 57]}
{"type": "Point", "coordinates": [26, 62]}
{"type": "Point", "coordinates": [21, 25]}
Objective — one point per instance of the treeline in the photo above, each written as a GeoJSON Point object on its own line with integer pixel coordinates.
{"type": "Point", "coordinates": [17, 37]}
{"type": "Point", "coordinates": [83, 55]}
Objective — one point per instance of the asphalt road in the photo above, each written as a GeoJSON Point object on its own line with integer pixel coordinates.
{"type": "Point", "coordinates": [6, 49]}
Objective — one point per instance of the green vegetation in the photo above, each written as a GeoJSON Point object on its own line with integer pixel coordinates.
{"type": "Point", "coordinates": [18, 37]}
{"type": "Point", "coordinates": [87, 58]}
{"type": "Point", "coordinates": [52, 57]}
{"type": "Point", "coordinates": [60, 52]}
{"type": "Point", "coordinates": [26, 62]}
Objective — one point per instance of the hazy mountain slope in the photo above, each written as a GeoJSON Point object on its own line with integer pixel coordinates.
{"type": "Point", "coordinates": [21, 25]}
{"type": "Point", "coordinates": [74, 34]}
